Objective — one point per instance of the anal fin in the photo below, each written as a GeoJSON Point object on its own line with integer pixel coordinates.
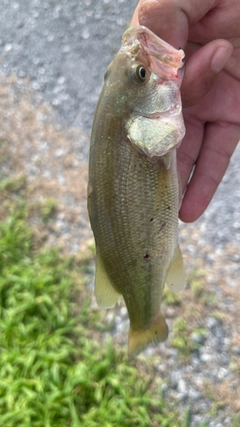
{"type": "Point", "coordinates": [106, 296]}
{"type": "Point", "coordinates": [176, 277]}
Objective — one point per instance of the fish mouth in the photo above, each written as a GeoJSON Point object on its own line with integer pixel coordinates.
{"type": "Point", "coordinates": [164, 58]}
{"type": "Point", "coordinates": [162, 115]}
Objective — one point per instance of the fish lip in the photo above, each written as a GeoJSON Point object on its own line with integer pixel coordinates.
{"type": "Point", "coordinates": [164, 58]}
{"type": "Point", "coordinates": [155, 45]}
{"type": "Point", "coordinates": [161, 115]}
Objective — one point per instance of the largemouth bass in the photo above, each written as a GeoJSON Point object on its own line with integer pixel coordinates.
{"type": "Point", "coordinates": [133, 190]}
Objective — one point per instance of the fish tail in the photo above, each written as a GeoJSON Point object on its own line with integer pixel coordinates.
{"type": "Point", "coordinates": [138, 339]}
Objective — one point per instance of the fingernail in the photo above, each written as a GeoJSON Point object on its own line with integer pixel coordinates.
{"type": "Point", "coordinates": [220, 58]}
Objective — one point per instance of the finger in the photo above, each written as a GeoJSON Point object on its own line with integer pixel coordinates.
{"type": "Point", "coordinates": [189, 149]}
{"type": "Point", "coordinates": [222, 23]}
{"type": "Point", "coordinates": [135, 20]}
{"type": "Point", "coordinates": [170, 19]}
{"type": "Point", "coordinates": [219, 143]}
{"type": "Point", "coordinates": [206, 62]}
{"type": "Point", "coordinates": [202, 69]}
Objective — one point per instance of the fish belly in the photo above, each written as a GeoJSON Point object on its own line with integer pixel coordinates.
{"type": "Point", "coordinates": [133, 208]}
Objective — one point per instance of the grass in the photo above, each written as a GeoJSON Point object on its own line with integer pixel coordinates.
{"type": "Point", "coordinates": [47, 209]}
{"type": "Point", "coordinates": [183, 337]}
{"type": "Point", "coordinates": [53, 370]}
{"type": "Point", "coordinates": [170, 298]}
{"type": "Point", "coordinates": [56, 367]}
{"type": "Point", "coordinates": [12, 184]}
{"type": "Point", "coordinates": [199, 292]}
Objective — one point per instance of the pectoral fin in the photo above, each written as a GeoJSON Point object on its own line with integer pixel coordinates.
{"type": "Point", "coordinates": [106, 296]}
{"type": "Point", "coordinates": [152, 136]}
{"type": "Point", "coordinates": [176, 277]}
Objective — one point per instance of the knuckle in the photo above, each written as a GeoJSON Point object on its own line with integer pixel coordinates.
{"type": "Point", "coordinates": [186, 158]}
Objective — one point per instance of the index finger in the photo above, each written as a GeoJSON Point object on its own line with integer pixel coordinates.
{"type": "Point", "coordinates": [220, 140]}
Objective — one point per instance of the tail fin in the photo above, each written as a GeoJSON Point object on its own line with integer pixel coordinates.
{"type": "Point", "coordinates": [138, 340]}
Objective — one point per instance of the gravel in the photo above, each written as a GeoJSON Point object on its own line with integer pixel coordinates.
{"type": "Point", "coordinates": [58, 51]}
{"type": "Point", "coordinates": [64, 47]}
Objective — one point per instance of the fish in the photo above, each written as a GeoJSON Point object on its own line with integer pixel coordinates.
{"type": "Point", "coordinates": [133, 186]}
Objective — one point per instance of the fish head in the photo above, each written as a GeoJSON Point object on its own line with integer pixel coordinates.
{"type": "Point", "coordinates": [144, 81]}
{"type": "Point", "coordinates": [147, 70]}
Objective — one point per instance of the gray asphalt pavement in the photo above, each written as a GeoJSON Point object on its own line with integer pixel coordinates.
{"type": "Point", "coordinates": [64, 46]}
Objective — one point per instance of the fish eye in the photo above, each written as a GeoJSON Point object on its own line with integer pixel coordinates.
{"type": "Point", "coordinates": [141, 73]}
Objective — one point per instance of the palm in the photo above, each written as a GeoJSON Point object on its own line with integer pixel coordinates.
{"type": "Point", "coordinates": [211, 95]}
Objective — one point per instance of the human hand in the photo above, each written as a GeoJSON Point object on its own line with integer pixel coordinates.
{"type": "Point", "coordinates": [209, 33]}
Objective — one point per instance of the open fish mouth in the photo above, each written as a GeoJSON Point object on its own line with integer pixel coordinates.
{"type": "Point", "coordinates": [165, 59]}
{"type": "Point", "coordinates": [162, 115]}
